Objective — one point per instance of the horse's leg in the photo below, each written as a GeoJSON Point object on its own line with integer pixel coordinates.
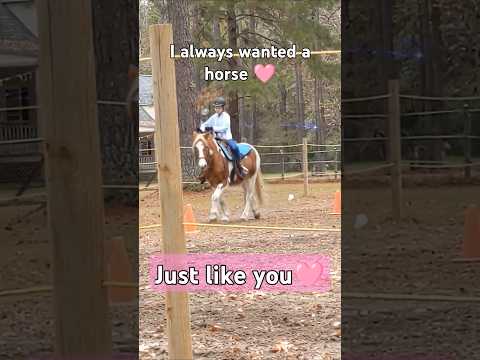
{"type": "Point", "coordinates": [215, 210]}
{"type": "Point", "coordinates": [245, 191]}
{"type": "Point", "coordinates": [223, 207]}
{"type": "Point", "coordinates": [244, 186]}
{"type": "Point", "coordinates": [249, 194]}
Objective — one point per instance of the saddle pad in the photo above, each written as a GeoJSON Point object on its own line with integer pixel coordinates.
{"type": "Point", "coordinates": [243, 148]}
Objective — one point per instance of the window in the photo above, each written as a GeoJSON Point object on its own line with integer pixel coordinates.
{"type": "Point", "coordinates": [146, 144]}
{"type": "Point", "coordinates": [17, 97]}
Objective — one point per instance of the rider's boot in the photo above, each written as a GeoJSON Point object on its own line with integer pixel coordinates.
{"type": "Point", "coordinates": [242, 170]}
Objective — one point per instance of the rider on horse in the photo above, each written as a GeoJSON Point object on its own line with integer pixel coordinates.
{"type": "Point", "coordinates": [220, 124]}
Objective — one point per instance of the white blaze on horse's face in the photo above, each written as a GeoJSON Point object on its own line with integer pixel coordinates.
{"type": "Point", "coordinates": [201, 162]}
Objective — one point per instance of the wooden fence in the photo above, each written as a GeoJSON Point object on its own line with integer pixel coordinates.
{"type": "Point", "coordinates": [394, 139]}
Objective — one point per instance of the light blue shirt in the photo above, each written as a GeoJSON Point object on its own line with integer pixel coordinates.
{"type": "Point", "coordinates": [220, 124]}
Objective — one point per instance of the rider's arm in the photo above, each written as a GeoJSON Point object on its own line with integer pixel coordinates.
{"type": "Point", "coordinates": [207, 123]}
{"type": "Point", "coordinates": [223, 124]}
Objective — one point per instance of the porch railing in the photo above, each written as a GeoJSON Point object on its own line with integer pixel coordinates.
{"type": "Point", "coordinates": [18, 132]}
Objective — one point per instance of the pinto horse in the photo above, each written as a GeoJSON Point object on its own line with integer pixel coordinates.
{"type": "Point", "coordinates": [220, 174]}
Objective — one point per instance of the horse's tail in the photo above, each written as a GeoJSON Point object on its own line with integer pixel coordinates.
{"type": "Point", "coordinates": [259, 179]}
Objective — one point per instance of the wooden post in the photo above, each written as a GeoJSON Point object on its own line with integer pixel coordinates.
{"type": "Point", "coordinates": [167, 143]}
{"type": "Point", "coordinates": [337, 161]}
{"type": "Point", "coordinates": [68, 113]}
{"type": "Point", "coordinates": [283, 164]}
{"type": "Point", "coordinates": [467, 142]}
{"type": "Point", "coordinates": [395, 147]}
{"type": "Point", "coordinates": [305, 166]}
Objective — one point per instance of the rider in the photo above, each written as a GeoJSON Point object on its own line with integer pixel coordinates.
{"type": "Point", "coordinates": [220, 123]}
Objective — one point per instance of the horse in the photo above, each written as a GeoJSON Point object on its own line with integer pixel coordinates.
{"type": "Point", "coordinates": [219, 171]}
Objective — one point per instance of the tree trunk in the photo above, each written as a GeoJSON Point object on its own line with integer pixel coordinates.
{"type": "Point", "coordinates": [217, 42]}
{"type": "Point", "coordinates": [241, 115]}
{"type": "Point", "coordinates": [437, 56]}
{"type": "Point", "coordinates": [178, 15]}
{"type": "Point", "coordinates": [178, 12]}
{"type": "Point", "coordinates": [252, 28]}
{"type": "Point", "coordinates": [300, 101]}
{"type": "Point", "coordinates": [282, 109]}
{"type": "Point", "coordinates": [427, 68]}
{"type": "Point", "coordinates": [319, 112]}
{"type": "Point", "coordinates": [199, 80]}
{"type": "Point", "coordinates": [282, 104]}
{"type": "Point", "coordinates": [388, 60]}
{"type": "Point", "coordinates": [233, 65]}
{"type": "Point", "coordinates": [116, 46]}
{"type": "Point", "coordinates": [387, 30]}
{"type": "Point", "coordinates": [254, 124]}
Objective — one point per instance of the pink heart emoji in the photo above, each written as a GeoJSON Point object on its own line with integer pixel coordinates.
{"type": "Point", "coordinates": [308, 275]}
{"type": "Point", "coordinates": [264, 72]}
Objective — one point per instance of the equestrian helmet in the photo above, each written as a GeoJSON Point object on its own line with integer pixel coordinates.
{"type": "Point", "coordinates": [220, 101]}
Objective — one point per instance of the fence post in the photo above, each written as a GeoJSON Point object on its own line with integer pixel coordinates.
{"type": "Point", "coordinates": [169, 172]}
{"type": "Point", "coordinates": [73, 169]}
{"type": "Point", "coordinates": [305, 166]}
{"type": "Point", "coordinates": [467, 142]}
{"type": "Point", "coordinates": [337, 151]}
{"type": "Point", "coordinates": [395, 147]}
{"type": "Point", "coordinates": [283, 164]}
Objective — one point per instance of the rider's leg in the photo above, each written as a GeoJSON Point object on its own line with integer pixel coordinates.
{"type": "Point", "coordinates": [236, 155]}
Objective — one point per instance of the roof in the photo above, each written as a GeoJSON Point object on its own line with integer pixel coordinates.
{"type": "Point", "coordinates": [146, 118]}
{"type": "Point", "coordinates": [18, 25]}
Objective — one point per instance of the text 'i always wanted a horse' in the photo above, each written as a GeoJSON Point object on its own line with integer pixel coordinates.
{"type": "Point", "coordinates": [213, 157]}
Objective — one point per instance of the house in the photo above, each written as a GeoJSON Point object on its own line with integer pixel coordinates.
{"type": "Point", "coordinates": [146, 129]}
{"type": "Point", "coordinates": [18, 73]}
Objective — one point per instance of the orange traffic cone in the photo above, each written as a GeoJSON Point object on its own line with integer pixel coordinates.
{"type": "Point", "coordinates": [471, 239]}
{"type": "Point", "coordinates": [189, 217]}
{"type": "Point", "coordinates": [118, 269]}
{"type": "Point", "coordinates": [337, 204]}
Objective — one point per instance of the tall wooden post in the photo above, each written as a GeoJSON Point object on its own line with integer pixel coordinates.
{"type": "Point", "coordinates": [169, 173]}
{"type": "Point", "coordinates": [395, 147]}
{"type": "Point", "coordinates": [337, 162]}
{"type": "Point", "coordinates": [305, 166]}
{"type": "Point", "coordinates": [467, 142]}
{"type": "Point", "coordinates": [283, 164]}
{"type": "Point", "coordinates": [68, 114]}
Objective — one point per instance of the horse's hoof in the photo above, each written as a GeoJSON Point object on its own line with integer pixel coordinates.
{"type": "Point", "coordinates": [225, 219]}
{"type": "Point", "coordinates": [244, 218]}
{"type": "Point", "coordinates": [257, 216]}
{"type": "Point", "coordinates": [212, 219]}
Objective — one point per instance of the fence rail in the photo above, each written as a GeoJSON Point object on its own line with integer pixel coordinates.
{"type": "Point", "coordinates": [318, 162]}
{"type": "Point", "coordinates": [394, 140]}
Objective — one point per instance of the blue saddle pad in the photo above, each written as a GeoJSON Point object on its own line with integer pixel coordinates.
{"type": "Point", "coordinates": [243, 148]}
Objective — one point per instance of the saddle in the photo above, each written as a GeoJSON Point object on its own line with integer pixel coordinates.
{"type": "Point", "coordinates": [243, 149]}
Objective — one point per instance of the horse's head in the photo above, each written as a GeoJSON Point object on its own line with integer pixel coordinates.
{"type": "Point", "coordinates": [203, 147]}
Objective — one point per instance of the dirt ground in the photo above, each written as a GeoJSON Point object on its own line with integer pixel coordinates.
{"type": "Point", "coordinates": [255, 325]}
{"type": "Point", "coordinates": [419, 250]}
{"type": "Point", "coordinates": [224, 326]}
{"type": "Point", "coordinates": [414, 256]}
